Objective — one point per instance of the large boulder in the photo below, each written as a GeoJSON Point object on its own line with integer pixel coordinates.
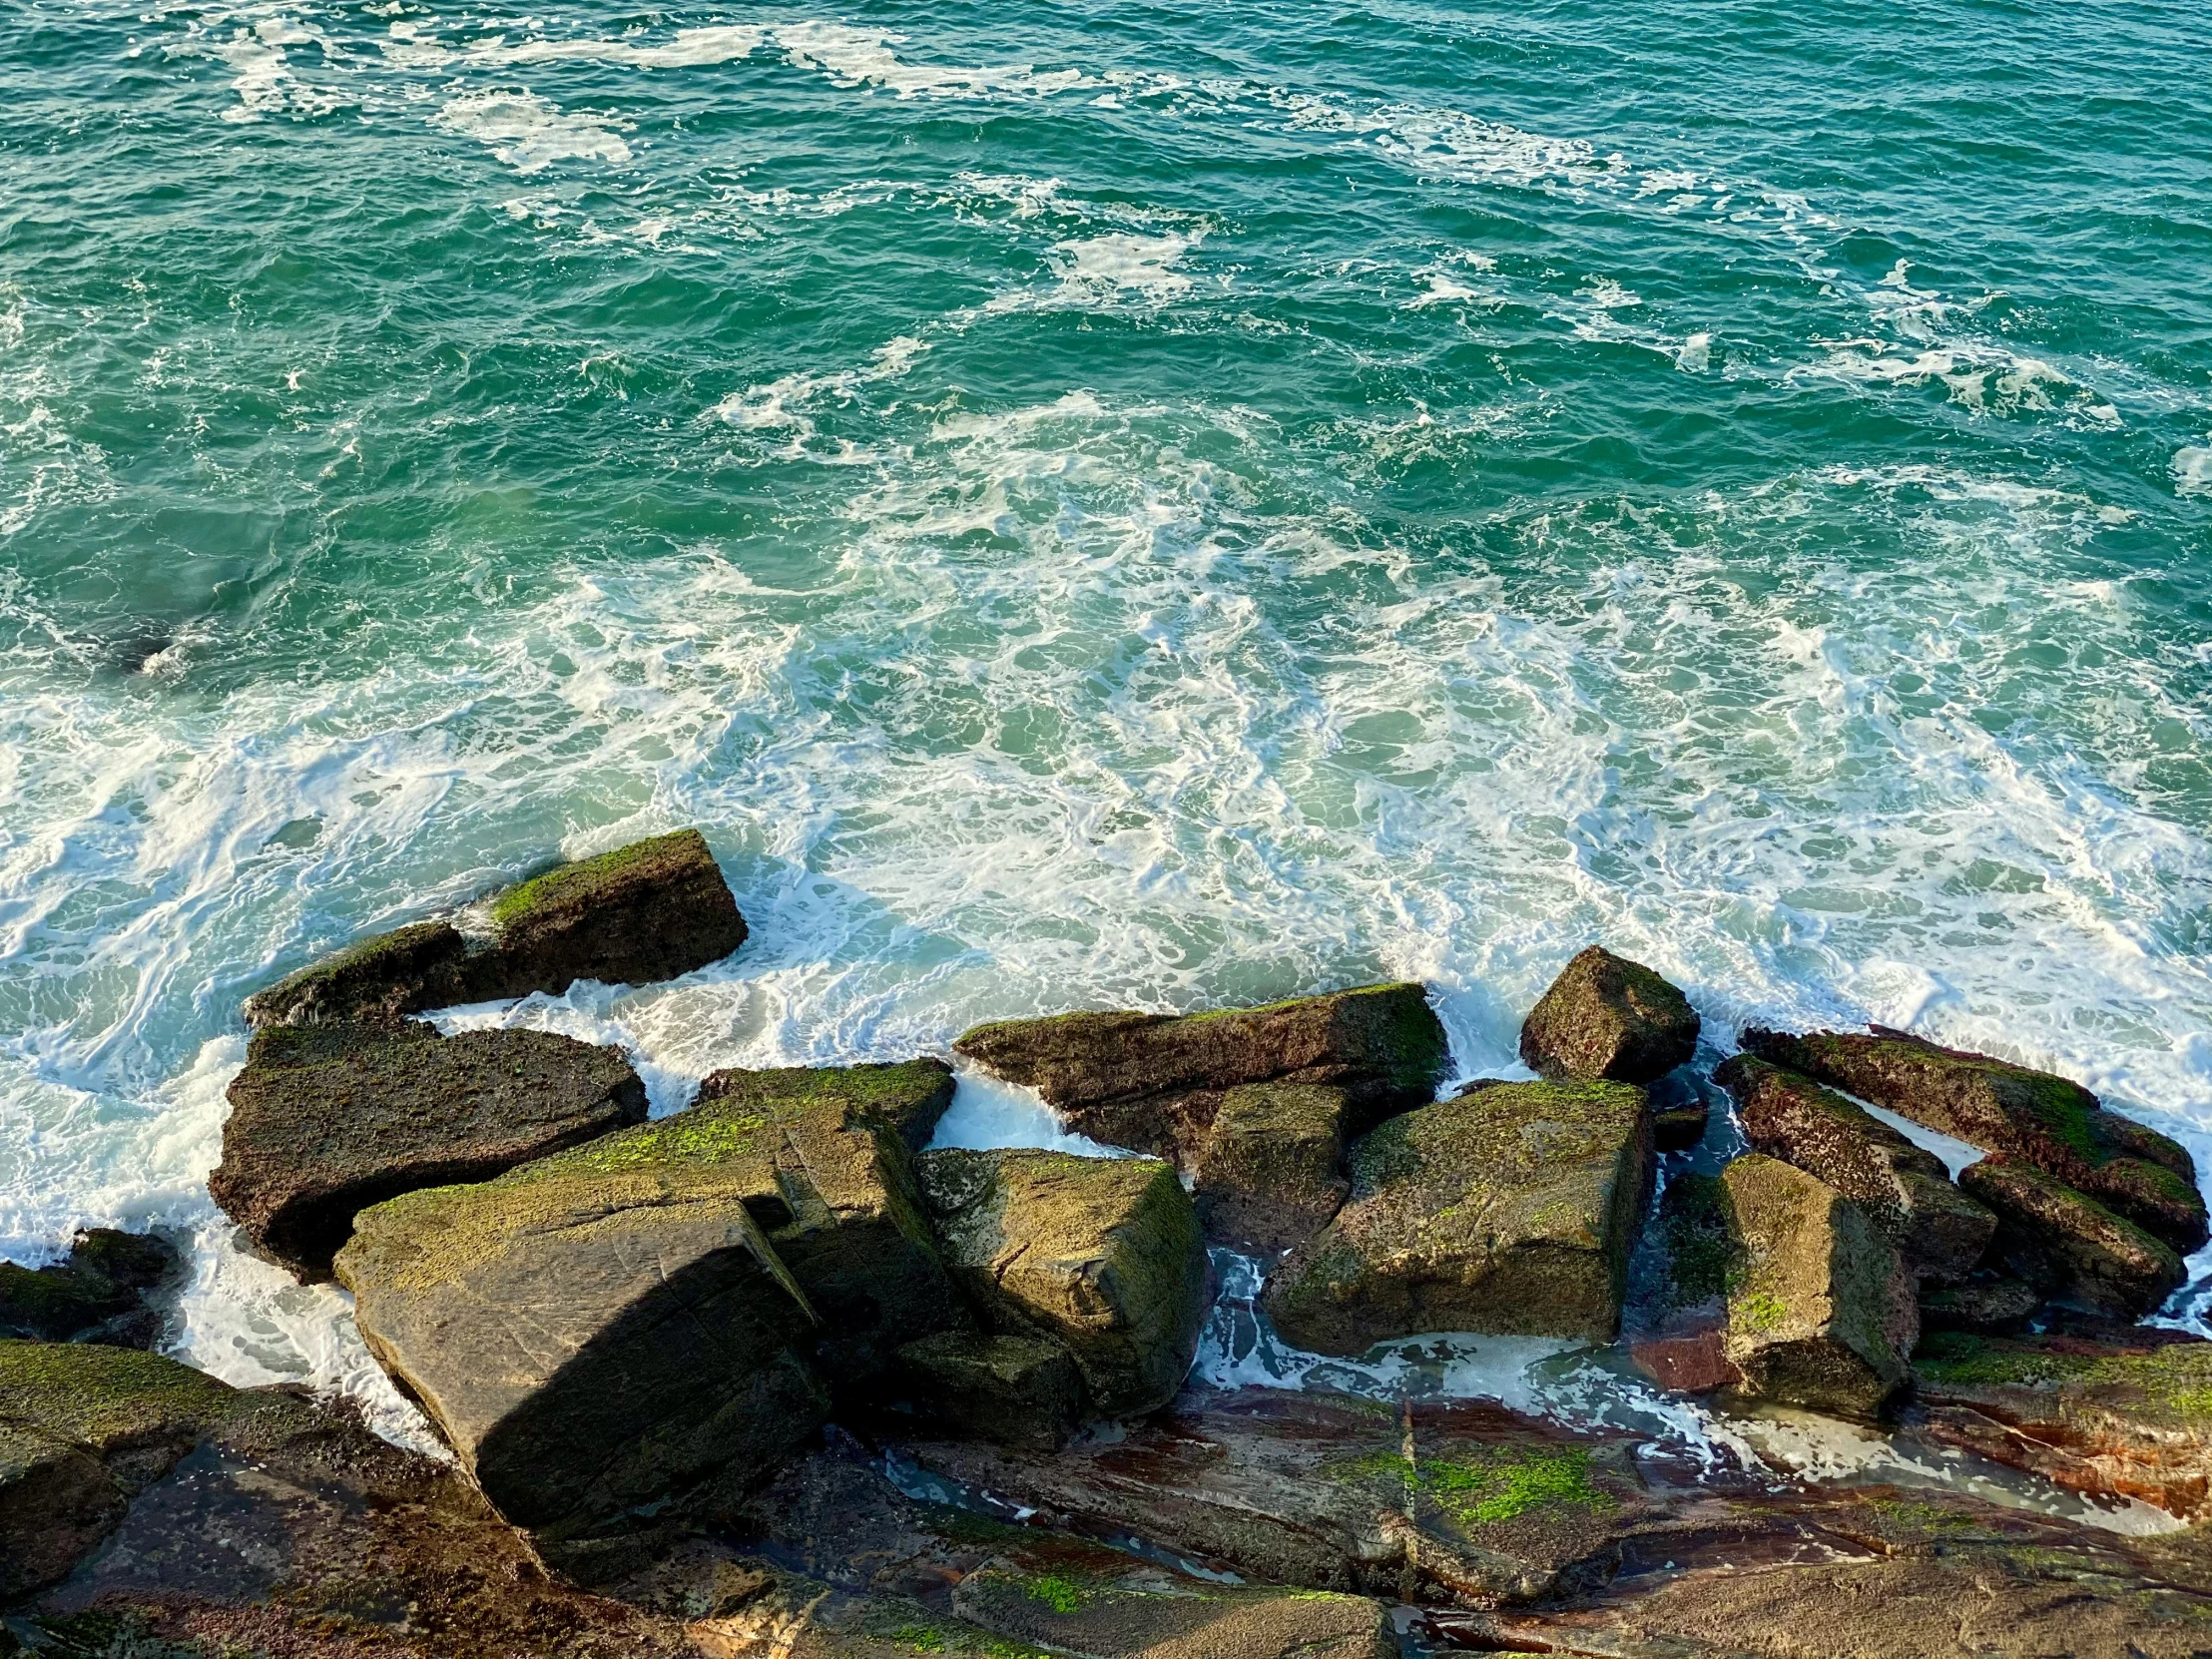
{"type": "Point", "coordinates": [96, 1295]}
{"type": "Point", "coordinates": [643, 912]}
{"type": "Point", "coordinates": [1608, 1018]}
{"type": "Point", "coordinates": [256, 1522]}
{"type": "Point", "coordinates": [1821, 1311]}
{"type": "Point", "coordinates": [1266, 1175]}
{"type": "Point", "coordinates": [1511, 1210]}
{"type": "Point", "coordinates": [2068, 1246]}
{"type": "Point", "coordinates": [1154, 1081]}
{"type": "Point", "coordinates": [1102, 1255]}
{"type": "Point", "coordinates": [1020, 1390]}
{"type": "Point", "coordinates": [326, 1120]}
{"type": "Point", "coordinates": [2119, 1412]}
{"type": "Point", "coordinates": [1903, 1188]}
{"type": "Point", "coordinates": [2031, 1117]}
{"type": "Point", "coordinates": [598, 1330]}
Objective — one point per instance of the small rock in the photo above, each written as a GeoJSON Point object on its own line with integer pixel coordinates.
{"type": "Point", "coordinates": [376, 980]}
{"type": "Point", "coordinates": [2032, 1117]}
{"type": "Point", "coordinates": [602, 1329]}
{"type": "Point", "coordinates": [1608, 1018]}
{"type": "Point", "coordinates": [1266, 1177]}
{"type": "Point", "coordinates": [328, 1120]}
{"type": "Point", "coordinates": [1991, 1303]}
{"type": "Point", "coordinates": [1101, 1254]}
{"type": "Point", "coordinates": [1903, 1188]}
{"type": "Point", "coordinates": [1681, 1109]}
{"type": "Point", "coordinates": [1820, 1308]}
{"type": "Point", "coordinates": [1016, 1390]}
{"type": "Point", "coordinates": [1154, 1081]}
{"type": "Point", "coordinates": [1509, 1211]}
{"type": "Point", "coordinates": [2070, 1246]}
{"type": "Point", "coordinates": [97, 1295]}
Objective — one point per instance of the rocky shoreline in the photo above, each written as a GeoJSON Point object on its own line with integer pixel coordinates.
{"type": "Point", "coordinates": [773, 1375]}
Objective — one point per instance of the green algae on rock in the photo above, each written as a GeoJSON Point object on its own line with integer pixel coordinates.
{"type": "Point", "coordinates": [2070, 1246]}
{"type": "Point", "coordinates": [1820, 1308]}
{"type": "Point", "coordinates": [96, 1295]}
{"type": "Point", "coordinates": [1268, 1173]}
{"type": "Point", "coordinates": [1103, 1255]}
{"type": "Point", "coordinates": [377, 978]}
{"type": "Point", "coordinates": [1903, 1188]}
{"type": "Point", "coordinates": [1511, 1211]}
{"type": "Point", "coordinates": [1607, 1018]}
{"type": "Point", "coordinates": [328, 1120]}
{"type": "Point", "coordinates": [1154, 1081]}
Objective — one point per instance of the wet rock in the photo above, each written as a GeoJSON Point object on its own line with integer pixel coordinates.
{"type": "Point", "coordinates": [1989, 1302]}
{"type": "Point", "coordinates": [1608, 1018]}
{"type": "Point", "coordinates": [328, 1120]}
{"type": "Point", "coordinates": [1119, 1615]}
{"type": "Point", "coordinates": [2067, 1245]}
{"type": "Point", "coordinates": [824, 1157]}
{"type": "Point", "coordinates": [1266, 1175]}
{"type": "Point", "coordinates": [600, 1330]}
{"type": "Point", "coordinates": [1820, 1308]}
{"type": "Point", "coordinates": [2118, 1411]}
{"type": "Point", "coordinates": [1100, 1254]}
{"type": "Point", "coordinates": [1154, 1081]}
{"type": "Point", "coordinates": [1677, 1325]}
{"type": "Point", "coordinates": [1511, 1211]}
{"type": "Point", "coordinates": [96, 1295]}
{"type": "Point", "coordinates": [1681, 1108]}
{"type": "Point", "coordinates": [1019, 1390]}
{"type": "Point", "coordinates": [256, 1521]}
{"type": "Point", "coordinates": [2031, 1117]}
{"type": "Point", "coordinates": [1903, 1188]}
{"type": "Point", "coordinates": [644, 912]}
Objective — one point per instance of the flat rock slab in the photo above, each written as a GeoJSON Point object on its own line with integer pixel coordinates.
{"type": "Point", "coordinates": [1903, 1188]}
{"type": "Point", "coordinates": [256, 1521]}
{"type": "Point", "coordinates": [1608, 1018]}
{"type": "Point", "coordinates": [1153, 1082]}
{"type": "Point", "coordinates": [644, 912]}
{"type": "Point", "coordinates": [1509, 1211]}
{"type": "Point", "coordinates": [600, 1330]}
{"type": "Point", "coordinates": [328, 1120]}
{"type": "Point", "coordinates": [1102, 1255]}
{"type": "Point", "coordinates": [2031, 1117]}
{"type": "Point", "coordinates": [1821, 1311]}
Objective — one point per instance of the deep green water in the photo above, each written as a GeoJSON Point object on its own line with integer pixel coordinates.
{"type": "Point", "coordinates": [1104, 505]}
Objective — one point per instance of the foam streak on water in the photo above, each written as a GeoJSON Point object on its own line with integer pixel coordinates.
{"type": "Point", "coordinates": [1157, 516]}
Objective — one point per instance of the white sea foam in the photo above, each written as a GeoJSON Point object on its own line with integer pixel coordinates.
{"type": "Point", "coordinates": [529, 134]}
{"type": "Point", "coordinates": [863, 57]}
{"type": "Point", "coordinates": [2192, 470]}
{"type": "Point", "coordinates": [987, 1111]}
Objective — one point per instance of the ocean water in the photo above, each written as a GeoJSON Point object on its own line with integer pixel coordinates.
{"type": "Point", "coordinates": [1112, 506]}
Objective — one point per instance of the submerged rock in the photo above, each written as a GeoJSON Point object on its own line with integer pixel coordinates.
{"type": "Point", "coordinates": [2067, 1245]}
{"type": "Point", "coordinates": [256, 1522]}
{"type": "Point", "coordinates": [1608, 1018]}
{"type": "Point", "coordinates": [1102, 1255]}
{"type": "Point", "coordinates": [1155, 1081]}
{"type": "Point", "coordinates": [2033, 1118]}
{"type": "Point", "coordinates": [1820, 1308]}
{"type": "Point", "coordinates": [2118, 1412]}
{"type": "Point", "coordinates": [1903, 1188]}
{"type": "Point", "coordinates": [1268, 1175]}
{"type": "Point", "coordinates": [96, 1295]}
{"type": "Point", "coordinates": [1511, 1210]}
{"type": "Point", "coordinates": [648, 912]}
{"type": "Point", "coordinates": [328, 1120]}
{"type": "Point", "coordinates": [598, 1330]}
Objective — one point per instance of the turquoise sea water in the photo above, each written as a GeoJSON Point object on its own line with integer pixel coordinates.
{"type": "Point", "coordinates": [1091, 506]}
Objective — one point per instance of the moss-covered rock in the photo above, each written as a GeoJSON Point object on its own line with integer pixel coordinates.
{"type": "Point", "coordinates": [1677, 1325]}
{"type": "Point", "coordinates": [1903, 1188]}
{"type": "Point", "coordinates": [1267, 1174]}
{"type": "Point", "coordinates": [1820, 1308]}
{"type": "Point", "coordinates": [96, 1295]}
{"type": "Point", "coordinates": [1512, 1210]}
{"type": "Point", "coordinates": [598, 1330]}
{"type": "Point", "coordinates": [1989, 1302]}
{"type": "Point", "coordinates": [326, 1120]}
{"type": "Point", "coordinates": [2067, 1245]}
{"type": "Point", "coordinates": [56, 1504]}
{"type": "Point", "coordinates": [2031, 1117]}
{"type": "Point", "coordinates": [1608, 1018]}
{"type": "Point", "coordinates": [1019, 1390]}
{"type": "Point", "coordinates": [1154, 1081]}
{"type": "Point", "coordinates": [643, 912]}
{"type": "Point", "coordinates": [1101, 1254]}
